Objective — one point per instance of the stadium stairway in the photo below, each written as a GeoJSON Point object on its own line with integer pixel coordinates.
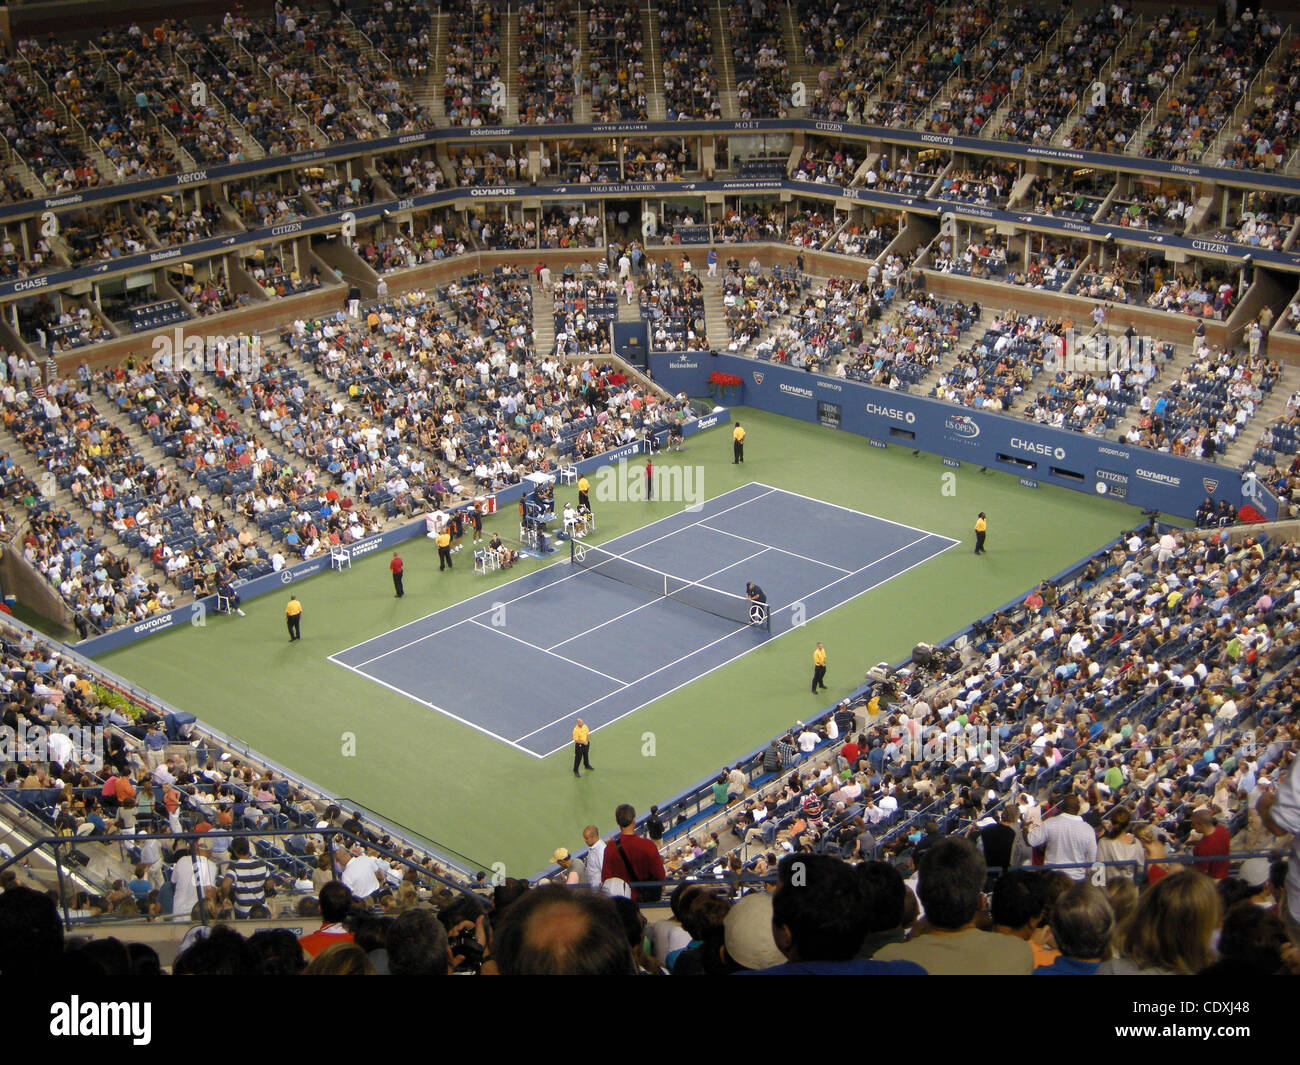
{"type": "Point", "coordinates": [510, 60]}
{"type": "Point", "coordinates": [655, 89]}
{"type": "Point", "coordinates": [63, 498]}
{"type": "Point", "coordinates": [715, 320]}
{"type": "Point", "coordinates": [790, 37]}
{"type": "Point", "coordinates": [978, 328]}
{"type": "Point", "coordinates": [430, 93]}
{"type": "Point", "coordinates": [582, 100]}
{"type": "Point", "coordinates": [1032, 72]}
{"type": "Point", "coordinates": [723, 61]}
{"type": "Point", "coordinates": [544, 323]}
{"type": "Point", "coordinates": [1267, 413]}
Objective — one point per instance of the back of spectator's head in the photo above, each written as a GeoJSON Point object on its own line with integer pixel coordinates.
{"type": "Point", "coordinates": [556, 930]}
{"type": "Point", "coordinates": [682, 897]}
{"type": "Point", "coordinates": [1019, 899]}
{"type": "Point", "coordinates": [1070, 804]}
{"type": "Point", "coordinates": [99, 957]}
{"type": "Point", "coordinates": [505, 894]}
{"type": "Point", "coordinates": [342, 959]}
{"type": "Point", "coordinates": [222, 952]}
{"type": "Point", "coordinates": [951, 886]}
{"type": "Point", "coordinates": [1173, 923]}
{"type": "Point", "coordinates": [417, 945]}
{"type": "Point", "coordinates": [819, 910]}
{"type": "Point", "coordinates": [370, 931]}
{"type": "Point", "coordinates": [1123, 896]}
{"type": "Point", "coordinates": [31, 934]}
{"type": "Point", "coordinates": [1082, 921]}
{"type": "Point", "coordinates": [145, 960]}
{"type": "Point", "coordinates": [886, 896]}
{"type": "Point", "coordinates": [335, 902]}
{"type": "Point", "coordinates": [239, 847]}
{"type": "Point", "coordinates": [1252, 938]}
{"type": "Point", "coordinates": [625, 815]}
{"type": "Point", "coordinates": [278, 951]}
{"type": "Point", "coordinates": [704, 914]}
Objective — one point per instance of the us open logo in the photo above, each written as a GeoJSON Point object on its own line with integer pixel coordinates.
{"type": "Point", "coordinates": [758, 377]}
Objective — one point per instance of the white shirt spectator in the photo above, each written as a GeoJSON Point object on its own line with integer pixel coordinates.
{"type": "Point", "coordinates": [1069, 838]}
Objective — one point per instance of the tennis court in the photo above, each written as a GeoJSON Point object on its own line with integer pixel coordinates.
{"type": "Point", "coordinates": [600, 639]}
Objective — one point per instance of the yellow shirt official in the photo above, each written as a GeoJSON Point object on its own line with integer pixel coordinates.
{"type": "Point", "coordinates": [738, 434]}
{"type": "Point", "coordinates": [444, 539]}
{"type": "Point", "coordinates": [293, 609]}
{"type": "Point", "coordinates": [819, 657]}
{"type": "Point", "coordinates": [981, 525]}
{"type": "Point", "coordinates": [581, 733]}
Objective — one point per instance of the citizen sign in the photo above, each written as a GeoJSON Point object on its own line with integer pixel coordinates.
{"type": "Point", "coordinates": [891, 412]}
{"type": "Point", "coordinates": [1021, 444]}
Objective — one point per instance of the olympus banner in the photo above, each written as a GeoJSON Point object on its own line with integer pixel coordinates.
{"type": "Point", "coordinates": [1031, 452]}
{"type": "Point", "coordinates": [191, 613]}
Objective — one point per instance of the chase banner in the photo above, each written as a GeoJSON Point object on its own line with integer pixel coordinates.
{"type": "Point", "coordinates": [1034, 453]}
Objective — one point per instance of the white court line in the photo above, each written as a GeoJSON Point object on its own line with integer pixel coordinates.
{"type": "Point", "coordinates": [557, 562]}
{"type": "Point", "coordinates": [502, 632]}
{"type": "Point", "coordinates": [657, 599]}
{"type": "Point", "coordinates": [439, 709]}
{"type": "Point", "coordinates": [850, 510]}
{"type": "Point", "coordinates": [782, 550]}
{"type": "Point", "coordinates": [693, 679]}
{"type": "Point", "coordinates": [497, 603]}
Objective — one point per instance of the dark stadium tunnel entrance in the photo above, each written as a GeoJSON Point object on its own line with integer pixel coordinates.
{"type": "Point", "coordinates": [624, 219]}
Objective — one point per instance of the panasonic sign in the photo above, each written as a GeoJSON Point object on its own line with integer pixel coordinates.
{"type": "Point", "coordinates": [891, 412]}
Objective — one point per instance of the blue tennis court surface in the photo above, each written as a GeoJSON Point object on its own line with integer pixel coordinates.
{"type": "Point", "coordinates": [522, 660]}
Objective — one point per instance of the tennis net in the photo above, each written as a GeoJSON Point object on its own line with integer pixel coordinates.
{"type": "Point", "coordinates": [735, 608]}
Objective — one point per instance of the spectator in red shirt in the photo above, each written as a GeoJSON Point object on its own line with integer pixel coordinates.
{"type": "Point", "coordinates": [335, 903]}
{"type": "Point", "coordinates": [1214, 845]}
{"type": "Point", "coordinates": [852, 751]}
{"type": "Point", "coordinates": [628, 849]}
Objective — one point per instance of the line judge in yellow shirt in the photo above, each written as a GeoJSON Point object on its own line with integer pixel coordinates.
{"type": "Point", "coordinates": [584, 487]}
{"type": "Point", "coordinates": [738, 444]}
{"type": "Point", "coordinates": [293, 618]}
{"type": "Point", "coordinates": [581, 747]}
{"type": "Point", "coordinates": [981, 527]}
{"type": "Point", "coordinates": [819, 668]}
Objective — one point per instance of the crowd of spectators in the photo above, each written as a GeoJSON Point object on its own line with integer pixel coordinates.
{"type": "Point", "coordinates": [758, 58]}
{"type": "Point", "coordinates": [547, 77]}
{"type": "Point", "coordinates": [616, 70]}
{"type": "Point", "coordinates": [473, 93]}
{"type": "Point", "coordinates": [690, 77]}
{"type": "Point", "coordinates": [1213, 399]}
